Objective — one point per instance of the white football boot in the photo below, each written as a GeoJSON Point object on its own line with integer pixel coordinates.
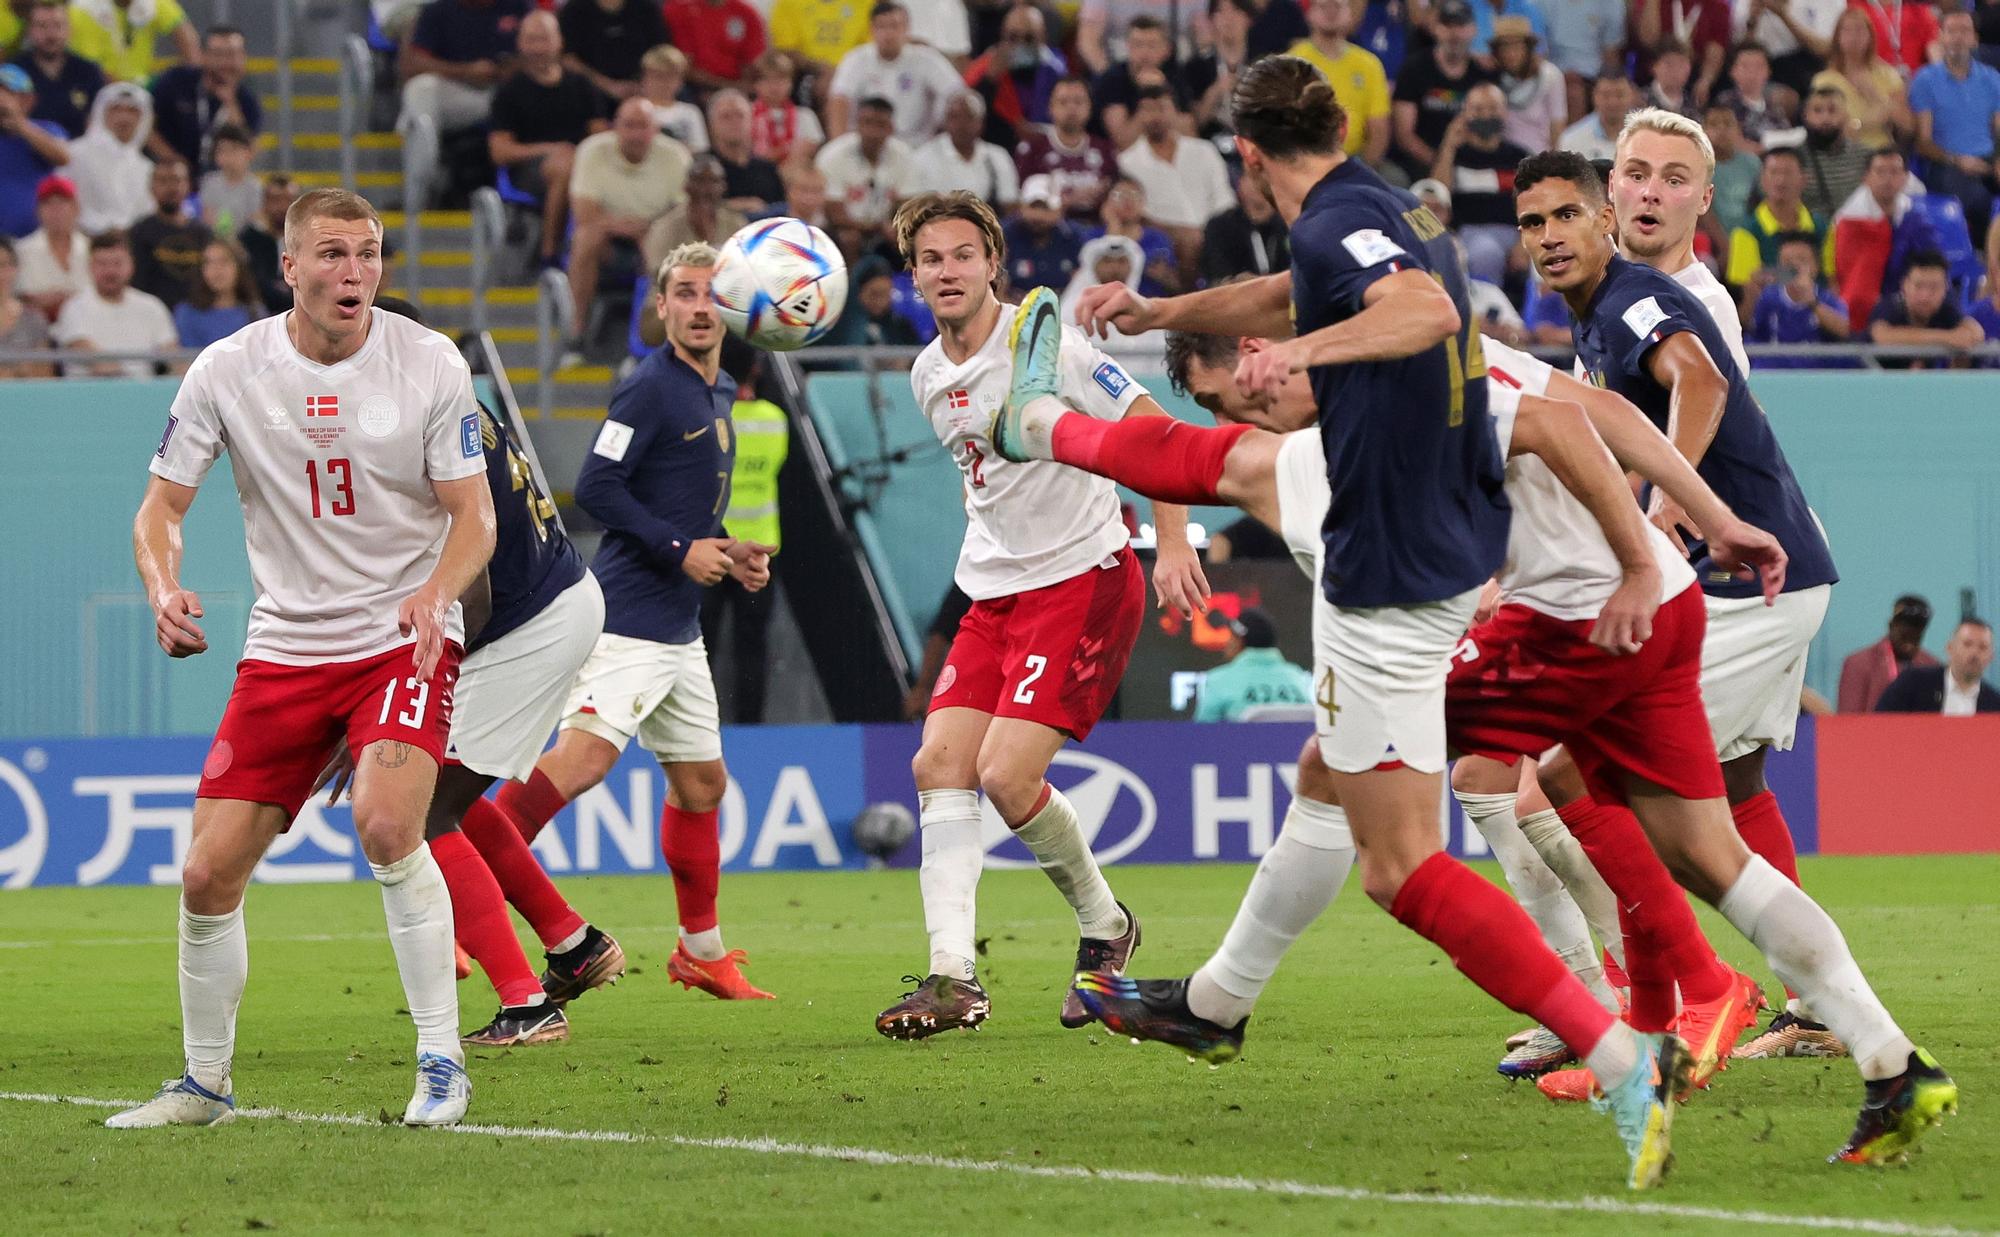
{"type": "Point", "coordinates": [443, 1092]}
{"type": "Point", "coordinates": [181, 1101]}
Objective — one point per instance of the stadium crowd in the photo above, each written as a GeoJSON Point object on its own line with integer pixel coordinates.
{"type": "Point", "coordinates": [1855, 145]}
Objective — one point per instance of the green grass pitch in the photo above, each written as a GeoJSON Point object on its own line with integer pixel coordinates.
{"type": "Point", "coordinates": [1369, 1068]}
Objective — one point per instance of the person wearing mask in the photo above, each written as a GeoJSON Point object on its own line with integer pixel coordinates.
{"type": "Point", "coordinates": [1080, 164]}
{"type": "Point", "coordinates": [167, 244]}
{"type": "Point", "coordinates": [53, 261]}
{"type": "Point", "coordinates": [1043, 247]}
{"type": "Point", "coordinates": [223, 300]}
{"type": "Point", "coordinates": [1018, 77]}
{"type": "Point", "coordinates": [1834, 162]}
{"type": "Point", "coordinates": [1476, 161]}
{"type": "Point", "coordinates": [22, 326]}
{"type": "Point", "coordinates": [1866, 673]}
{"type": "Point", "coordinates": [64, 82]}
{"type": "Point", "coordinates": [1253, 673]}
{"type": "Point", "coordinates": [110, 315]}
{"type": "Point", "coordinates": [1956, 689]}
{"type": "Point", "coordinates": [108, 163]}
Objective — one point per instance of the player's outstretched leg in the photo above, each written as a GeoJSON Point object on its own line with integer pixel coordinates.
{"type": "Point", "coordinates": [580, 957]}
{"type": "Point", "coordinates": [692, 847]}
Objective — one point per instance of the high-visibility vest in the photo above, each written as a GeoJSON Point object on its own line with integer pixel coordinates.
{"type": "Point", "coordinates": [763, 435]}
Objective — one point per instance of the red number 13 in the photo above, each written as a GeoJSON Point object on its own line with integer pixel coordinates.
{"type": "Point", "coordinates": [339, 479]}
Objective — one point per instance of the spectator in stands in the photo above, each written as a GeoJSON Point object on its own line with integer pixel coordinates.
{"type": "Point", "coordinates": [958, 159]}
{"type": "Point", "coordinates": [753, 183]}
{"type": "Point", "coordinates": [722, 39]}
{"type": "Point", "coordinates": [1115, 92]}
{"type": "Point", "coordinates": [223, 299]}
{"type": "Point", "coordinates": [916, 80]}
{"type": "Point", "coordinates": [53, 261]}
{"type": "Point", "coordinates": [1248, 239]}
{"type": "Point", "coordinates": [1042, 245]}
{"type": "Point", "coordinates": [22, 326]}
{"type": "Point", "coordinates": [871, 319]}
{"type": "Point", "coordinates": [1672, 86]}
{"type": "Point", "coordinates": [702, 216]}
{"type": "Point", "coordinates": [64, 82]}
{"type": "Point", "coordinates": [1253, 672]}
{"type": "Point", "coordinates": [1866, 672]}
{"type": "Point", "coordinates": [1872, 87]}
{"type": "Point", "coordinates": [166, 245]}
{"type": "Point", "coordinates": [230, 195]}
{"type": "Point", "coordinates": [1790, 305]}
{"type": "Point", "coordinates": [1477, 162]}
{"type": "Point", "coordinates": [865, 171]}
{"type": "Point", "coordinates": [192, 102]}
{"type": "Point", "coordinates": [1080, 164]}
{"type": "Point", "coordinates": [110, 315]}
{"type": "Point", "coordinates": [1906, 35]}
{"type": "Point", "coordinates": [605, 41]}
{"type": "Point", "coordinates": [1596, 135]}
{"type": "Point", "coordinates": [1798, 34]}
{"type": "Point", "coordinates": [1432, 88]}
{"type": "Point", "coordinates": [819, 33]}
{"type": "Point", "coordinates": [1547, 318]}
{"type": "Point", "coordinates": [1355, 74]}
{"type": "Point", "coordinates": [622, 181]}
{"type": "Point", "coordinates": [1586, 40]}
{"type": "Point", "coordinates": [1281, 23]}
{"type": "Point", "coordinates": [1923, 312]}
{"type": "Point", "coordinates": [1211, 76]}
{"type": "Point", "coordinates": [1956, 689]}
{"type": "Point", "coordinates": [1704, 25]}
{"type": "Point", "coordinates": [1834, 162]}
{"type": "Point", "coordinates": [1018, 77]}
{"type": "Point", "coordinates": [1114, 259]}
{"type": "Point", "coordinates": [781, 130]}
{"type": "Point", "coordinates": [1186, 182]}
{"type": "Point", "coordinates": [108, 163]}
{"type": "Point", "coordinates": [29, 150]}
{"type": "Point", "coordinates": [122, 35]}
{"type": "Point", "coordinates": [1762, 108]}
{"type": "Point", "coordinates": [1736, 174]}
{"type": "Point", "coordinates": [1125, 214]}
{"type": "Point", "coordinates": [1875, 233]}
{"type": "Point", "coordinates": [1104, 29]}
{"type": "Point", "coordinates": [541, 113]}
{"type": "Point", "coordinates": [455, 57]}
{"type": "Point", "coordinates": [1537, 100]}
{"type": "Point", "coordinates": [263, 240]}
{"type": "Point", "coordinates": [662, 73]}
{"type": "Point", "coordinates": [1957, 102]}
{"type": "Point", "coordinates": [946, 28]}
{"type": "Point", "coordinates": [1986, 309]}
{"type": "Point", "coordinates": [805, 194]}
{"type": "Point", "coordinates": [1753, 245]}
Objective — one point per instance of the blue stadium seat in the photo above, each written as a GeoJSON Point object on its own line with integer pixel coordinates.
{"type": "Point", "coordinates": [911, 308]}
{"type": "Point", "coordinates": [1945, 215]}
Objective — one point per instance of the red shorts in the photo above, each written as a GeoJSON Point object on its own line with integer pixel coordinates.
{"type": "Point", "coordinates": [1523, 682]}
{"type": "Point", "coordinates": [282, 721]}
{"type": "Point", "coordinates": [1052, 655]}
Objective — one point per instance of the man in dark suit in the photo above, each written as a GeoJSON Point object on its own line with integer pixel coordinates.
{"type": "Point", "coordinates": [1955, 689]}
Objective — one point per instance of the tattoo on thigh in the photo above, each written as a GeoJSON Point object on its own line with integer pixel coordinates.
{"type": "Point", "coordinates": [392, 754]}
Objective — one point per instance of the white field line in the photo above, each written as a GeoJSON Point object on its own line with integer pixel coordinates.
{"type": "Point", "coordinates": [876, 1158]}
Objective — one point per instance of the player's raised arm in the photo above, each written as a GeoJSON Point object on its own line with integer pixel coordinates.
{"type": "Point", "coordinates": [1403, 314]}
{"type": "Point", "coordinates": [468, 544]}
{"type": "Point", "coordinates": [156, 546]}
{"type": "Point", "coordinates": [1259, 306]}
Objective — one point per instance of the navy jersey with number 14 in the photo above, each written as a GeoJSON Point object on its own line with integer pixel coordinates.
{"type": "Point", "coordinates": [1418, 511]}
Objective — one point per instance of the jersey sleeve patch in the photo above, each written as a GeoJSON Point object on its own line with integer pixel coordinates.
{"type": "Point", "coordinates": [1113, 379]}
{"type": "Point", "coordinates": [613, 440]}
{"type": "Point", "coordinates": [468, 435]}
{"type": "Point", "coordinates": [1643, 315]}
{"type": "Point", "coordinates": [1371, 247]}
{"type": "Point", "coordinates": [173, 423]}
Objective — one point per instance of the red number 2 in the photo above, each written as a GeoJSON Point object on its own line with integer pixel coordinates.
{"type": "Point", "coordinates": [340, 478]}
{"type": "Point", "coordinates": [975, 464]}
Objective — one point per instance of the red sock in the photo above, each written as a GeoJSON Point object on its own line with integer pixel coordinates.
{"type": "Point", "coordinates": [1610, 835]}
{"type": "Point", "coordinates": [1614, 974]}
{"type": "Point", "coordinates": [531, 804]}
{"type": "Point", "coordinates": [1655, 1000]}
{"type": "Point", "coordinates": [693, 851]}
{"type": "Point", "coordinates": [519, 874]}
{"type": "Point", "coordinates": [1493, 942]}
{"type": "Point", "coordinates": [1160, 457]}
{"type": "Point", "coordinates": [480, 919]}
{"type": "Point", "coordinates": [1763, 828]}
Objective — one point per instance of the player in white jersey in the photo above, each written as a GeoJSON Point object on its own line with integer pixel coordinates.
{"type": "Point", "coordinates": [353, 437]}
{"type": "Point", "coordinates": [1754, 657]}
{"type": "Point", "coordinates": [1057, 601]}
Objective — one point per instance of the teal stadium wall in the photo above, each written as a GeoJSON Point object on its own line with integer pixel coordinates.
{"type": "Point", "coordinates": [1903, 468]}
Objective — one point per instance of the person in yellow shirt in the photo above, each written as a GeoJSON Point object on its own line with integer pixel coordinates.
{"type": "Point", "coordinates": [819, 33]}
{"type": "Point", "coordinates": [1754, 244]}
{"type": "Point", "coordinates": [763, 439]}
{"type": "Point", "coordinates": [120, 35]}
{"type": "Point", "coordinates": [1356, 74]}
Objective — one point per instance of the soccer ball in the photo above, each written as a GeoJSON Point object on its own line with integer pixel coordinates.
{"type": "Point", "coordinates": [780, 284]}
{"type": "Point", "coordinates": [882, 829]}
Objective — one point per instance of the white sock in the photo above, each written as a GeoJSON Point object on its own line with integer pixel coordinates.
{"type": "Point", "coordinates": [1806, 950]}
{"type": "Point", "coordinates": [1538, 889]}
{"type": "Point", "coordinates": [706, 945]}
{"type": "Point", "coordinates": [1615, 1057]}
{"type": "Point", "coordinates": [1056, 838]}
{"type": "Point", "coordinates": [949, 876]}
{"type": "Point", "coordinates": [1559, 849]}
{"type": "Point", "coordinates": [1296, 880]}
{"type": "Point", "coordinates": [214, 963]}
{"type": "Point", "coordinates": [418, 908]}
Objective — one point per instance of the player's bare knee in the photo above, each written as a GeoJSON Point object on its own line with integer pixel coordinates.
{"type": "Point", "coordinates": [697, 786]}
{"type": "Point", "coordinates": [938, 766]}
{"type": "Point", "coordinates": [1480, 775]}
{"type": "Point", "coordinates": [386, 833]}
{"type": "Point", "coordinates": [1012, 788]}
{"type": "Point", "coordinates": [1560, 780]}
{"type": "Point", "coordinates": [206, 889]}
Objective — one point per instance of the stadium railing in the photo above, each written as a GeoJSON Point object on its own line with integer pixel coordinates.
{"type": "Point", "coordinates": [357, 94]}
{"type": "Point", "coordinates": [555, 322]}
{"type": "Point", "coordinates": [420, 147]}
{"type": "Point", "coordinates": [488, 244]}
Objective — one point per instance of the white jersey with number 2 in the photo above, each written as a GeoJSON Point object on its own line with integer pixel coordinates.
{"type": "Point", "coordinates": [1029, 525]}
{"type": "Point", "coordinates": [333, 467]}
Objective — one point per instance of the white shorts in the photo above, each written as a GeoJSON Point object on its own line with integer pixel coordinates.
{"type": "Point", "coordinates": [1303, 497]}
{"type": "Point", "coordinates": [1383, 668]}
{"type": "Point", "coordinates": [1513, 371]}
{"type": "Point", "coordinates": [510, 693]}
{"type": "Point", "coordinates": [1753, 665]}
{"type": "Point", "coordinates": [661, 693]}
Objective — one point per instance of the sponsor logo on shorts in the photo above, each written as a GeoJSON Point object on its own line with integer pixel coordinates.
{"type": "Point", "coordinates": [1113, 379]}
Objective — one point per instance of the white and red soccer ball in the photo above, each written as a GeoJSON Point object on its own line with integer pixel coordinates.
{"type": "Point", "coordinates": [780, 284]}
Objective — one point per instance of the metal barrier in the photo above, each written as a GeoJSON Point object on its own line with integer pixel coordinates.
{"type": "Point", "coordinates": [489, 241]}
{"type": "Point", "coordinates": [286, 14]}
{"type": "Point", "coordinates": [420, 148]}
{"type": "Point", "coordinates": [555, 324]}
{"type": "Point", "coordinates": [357, 96]}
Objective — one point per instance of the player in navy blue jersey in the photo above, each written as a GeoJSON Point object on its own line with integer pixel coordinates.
{"type": "Point", "coordinates": [658, 479]}
{"type": "Point", "coordinates": [1418, 523]}
{"type": "Point", "coordinates": [1647, 337]}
